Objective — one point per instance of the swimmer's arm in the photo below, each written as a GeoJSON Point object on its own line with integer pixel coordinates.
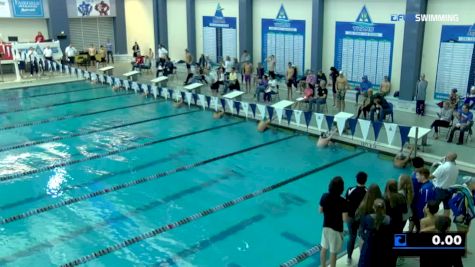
{"type": "Point", "coordinates": [344, 216]}
{"type": "Point", "coordinates": [320, 209]}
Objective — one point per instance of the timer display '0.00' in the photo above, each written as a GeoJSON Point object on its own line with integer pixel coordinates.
{"type": "Point", "coordinates": [416, 244]}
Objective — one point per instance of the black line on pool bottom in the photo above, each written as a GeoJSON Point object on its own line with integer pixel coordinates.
{"type": "Point", "coordinates": [110, 153]}
{"type": "Point", "coordinates": [119, 217]}
{"type": "Point", "coordinates": [62, 103]}
{"type": "Point", "coordinates": [199, 215]}
{"type": "Point", "coordinates": [81, 133]}
{"type": "Point", "coordinates": [134, 182]}
{"type": "Point", "coordinates": [302, 256]}
{"type": "Point", "coordinates": [62, 118]}
{"type": "Point", "coordinates": [54, 93]}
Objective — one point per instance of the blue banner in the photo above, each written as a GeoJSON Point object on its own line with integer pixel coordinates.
{"type": "Point", "coordinates": [28, 8]}
{"type": "Point", "coordinates": [285, 39]}
{"type": "Point", "coordinates": [364, 48]}
{"type": "Point", "coordinates": [456, 60]}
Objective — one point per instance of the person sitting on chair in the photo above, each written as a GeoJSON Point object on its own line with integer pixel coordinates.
{"type": "Point", "coordinates": [167, 67]}
{"type": "Point", "coordinates": [365, 85]}
{"type": "Point", "coordinates": [444, 120]}
{"type": "Point", "coordinates": [470, 99]}
{"type": "Point", "coordinates": [233, 80]}
{"type": "Point", "coordinates": [138, 63]}
{"type": "Point", "coordinates": [465, 118]}
{"type": "Point", "coordinates": [271, 89]}
{"type": "Point", "coordinates": [367, 104]}
{"type": "Point", "coordinates": [261, 88]}
{"type": "Point", "coordinates": [320, 97]}
{"type": "Point", "coordinates": [381, 108]}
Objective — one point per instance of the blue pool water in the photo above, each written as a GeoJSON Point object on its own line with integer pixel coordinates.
{"type": "Point", "coordinates": [130, 137]}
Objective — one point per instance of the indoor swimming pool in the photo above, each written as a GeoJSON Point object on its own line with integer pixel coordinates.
{"type": "Point", "coordinates": [102, 178]}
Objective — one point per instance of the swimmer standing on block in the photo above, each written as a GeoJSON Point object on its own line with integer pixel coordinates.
{"type": "Point", "coordinates": [263, 125]}
{"type": "Point", "coordinates": [325, 140]}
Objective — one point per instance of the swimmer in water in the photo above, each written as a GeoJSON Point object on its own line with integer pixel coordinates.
{"type": "Point", "coordinates": [218, 114]}
{"type": "Point", "coordinates": [263, 125]}
{"type": "Point", "coordinates": [178, 103]}
{"type": "Point", "coordinates": [325, 140]}
{"type": "Point", "coordinates": [400, 160]}
{"type": "Point", "coordinates": [116, 88]}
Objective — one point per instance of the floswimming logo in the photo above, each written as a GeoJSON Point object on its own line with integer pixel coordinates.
{"type": "Point", "coordinates": [425, 17]}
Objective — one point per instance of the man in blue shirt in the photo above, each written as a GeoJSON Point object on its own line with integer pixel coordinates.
{"type": "Point", "coordinates": [465, 118]}
{"type": "Point", "coordinates": [365, 85]}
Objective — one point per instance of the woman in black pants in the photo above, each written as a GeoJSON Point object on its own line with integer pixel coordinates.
{"type": "Point", "coordinates": [445, 117]}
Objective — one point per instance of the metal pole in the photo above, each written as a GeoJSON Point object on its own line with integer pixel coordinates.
{"type": "Point", "coordinates": [1, 70]}
{"type": "Point", "coordinates": [417, 137]}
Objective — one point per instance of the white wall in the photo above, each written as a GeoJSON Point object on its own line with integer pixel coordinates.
{"type": "Point", "coordinates": [177, 39]}
{"type": "Point", "coordinates": [25, 29]}
{"type": "Point", "coordinates": [207, 8]}
{"type": "Point", "coordinates": [268, 9]}
{"type": "Point", "coordinates": [139, 24]}
{"type": "Point", "coordinates": [430, 53]}
{"type": "Point", "coordinates": [348, 11]}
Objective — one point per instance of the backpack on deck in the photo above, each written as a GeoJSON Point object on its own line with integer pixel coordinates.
{"type": "Point", "coordinates": [462, 204]}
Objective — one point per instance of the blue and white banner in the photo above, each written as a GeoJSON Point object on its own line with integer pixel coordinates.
{"type": "Point", "coordinates": [90, 8]}
{"type": "Point", "coordinates": [28, 8]}
{"type": "Point", "coordinates": [284, 39]}
{"type": "Point", "coordinates": [202, 101]}
{"type": "Point", "coordinates": [390, 131]}
{"type": "Point", "coordinates": [245, 108]}
{"type": "Point", "coordinates": [456, 66]}
{"type": "Point", "coordinates": [215, 104]}
{"type": "Point", "coordinates": [298, 116]}
{"type": "Point", "coordinates": [155, 91]}
{"type": "Point", "coordinates": [364, 48]}
{"type": "Point", "coordinates": [340, 124]}
{"type": "Point", "coordinates": [319, 119]}
{"type": "Point", "coordinates": [279, 112]}
{"type": "Point", "coordinates": [262, 111]}
{"type": "Point", "coordinates": [188, 98]}
{"type": "Point", "coordinates": [230, 103]}
{"type": "Point", "coordinates": [219, 36]}
{"type": "Point", "coordinates": [364, 126]}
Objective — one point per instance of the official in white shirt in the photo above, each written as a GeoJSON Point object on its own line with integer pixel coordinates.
{"type": "Point", "coordinates": [162, 55]}
{"type": "Point", "coordinates": [445, 175]}
{"type": "Point", "coordinates": [48, 53]}
{"type": "Point", "coordinates": [32, 59]}
{"type": "Point", "coordinates": [70, 52]}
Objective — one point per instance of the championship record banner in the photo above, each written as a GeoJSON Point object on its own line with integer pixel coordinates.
{"type": "Point", "coordinates": [364, 48]}
{"type": "Point", "coordinates": [285, 39]}
{"type": "Point", "coordinates": [219, 36]}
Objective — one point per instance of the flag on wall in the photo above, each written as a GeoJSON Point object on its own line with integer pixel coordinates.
{"type": "Point", "coordinates": [86, 8]}
{"type": "Point", "coordinates": [308, 116]}
{"type": "Point", "coordinates": [279, 112]}
{"type": "Point", "coordinates": [288, 115]}
{"type": "Point", "coordinates": [298, 115]}
{"type": "Point", "coordinates": [377, 128]}
{"type": "Point", "coordinates": [340, 124]}
{"type": "Point", "coordinates": [245, 108]}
